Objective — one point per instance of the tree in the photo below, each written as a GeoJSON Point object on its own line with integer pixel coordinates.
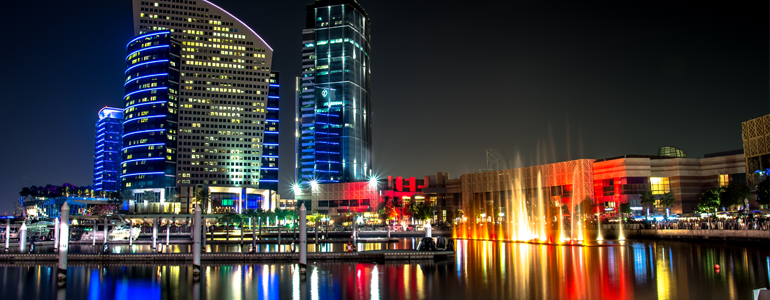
{"type": "Point", "coordinates": [148, 196]}
{"type": "Point", "coordinates": [391, 213]}
{"type": "Point", "coordinates": [763, 195]}
{"type": "Point", "coordinates": [734, 194]}
{"type": "Point", "coordinates": [459, 213]}
{"type": "Point", "coordinates": [412, 209]}
{"type": "Point", "coordinates": [625, 208]}
{"type": "Point", "coordinates": [203, 197]}
{"type": "Point", "coordinates": [709, 201]}
{"type": "Point", "coordinates": [229, 218]}
{"type": "Point", "coordinates": [252, 214]}
{"type": "Point", "coordinates": [127, 195]}
{"type": "Point", "coordinates": [171, 196]}
{"type": "Point", "coordinates": [424, 212]}
{"type": "Point", "coordinates": [667, 199]}
{"type": "Point", "coordinates": [586, 206]}
{"type": "Point", "coordinates": [25, 191]}
{"type": "Point", "coordinates": [647, 198]}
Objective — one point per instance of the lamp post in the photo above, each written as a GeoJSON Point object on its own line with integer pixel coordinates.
{"type": "Point", "coordinates": [63, 247]}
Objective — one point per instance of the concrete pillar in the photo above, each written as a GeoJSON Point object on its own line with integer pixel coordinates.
{"type": "Point", "coordinates": [23, 237]}
{"type": "Point", "coordinates": [197, 241]}
{"type": "Point", "coordinates": [279, 236]}
{"type": "Point", "coordinates": [106, 230]}
{"type": "Point", "coordinates": [56, 235]}
{"type": "Point", "coordinates": [154, 233]}
{"type": "Point", "coordinates": [130, 231]}
{"type": "Point", "coordinates": [93, 233]}
{"type": "Point", "coordinates": [241, 231]}
{"type": "Point", "coordinates": [427, 231]}
{"type": "Point", "coordinates": [388, 232]}
{"type": "Point", "coordinates": [168, 233]}
{"type": "Point", "coordinates": [355, 231]}
{"type": "Point", "coordinates": [64, 246]}
{"type": "Point", "coordinates": [302, 239]}
{"type": "Point", "coordinates": [7, 234]}
{"type": "Point", "coordinates": [205, 234]}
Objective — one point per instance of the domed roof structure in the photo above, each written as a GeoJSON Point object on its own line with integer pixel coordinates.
{"type": "Point", "coordinates": [669, 151]}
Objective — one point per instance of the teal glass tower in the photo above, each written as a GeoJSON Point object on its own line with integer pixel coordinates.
{"type": "Point", "coordinates": [334, 129]}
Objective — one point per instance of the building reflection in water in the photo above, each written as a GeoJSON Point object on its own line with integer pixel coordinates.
{"type": "Point", "coordinates": [480, 270]}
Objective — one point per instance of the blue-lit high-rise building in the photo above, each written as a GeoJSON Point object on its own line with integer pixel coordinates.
{"type": "Point", "coordinates": [109, 131]}
{"type": "Point", "coordinates": [269, 173]}
{"type": "Point", "coordinates": [333, 95]}
{"type": "Point", "coordinates": [150, 118]}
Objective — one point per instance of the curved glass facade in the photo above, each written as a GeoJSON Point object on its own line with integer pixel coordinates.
{"type": "Point", "coordinates": [109, 130]}
{"type": "Point", "coordinates": [334, 104]}
{"type": "Point", "coordinates": [671, 152]}
{"type": "Point", "coordinates": [269, 170]}
{"type": "Point", "coordinates": [150, 117]}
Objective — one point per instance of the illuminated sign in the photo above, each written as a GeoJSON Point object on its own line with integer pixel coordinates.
{"type": "Point", "coordinates": [637, 208]}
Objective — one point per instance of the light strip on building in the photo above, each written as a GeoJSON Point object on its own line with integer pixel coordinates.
{"type": "Point", "coordinates": [145, 76]}
{"type": "Point", "coordinates": [244, 24]}
{"type": "Point", "coordinates": [139, 174]}
{"type": "Point", "coordinates": [146, 35]}
{"type": "Point", "coordinates": [144, 63]}
{"type": "Point", "coordinates": [148, 48]}
{"type": "Point", "coordinates": [144, 90]}
{"type": "Point", "coordinates": [145, 103]}
{"type": "Point", "coordinates": [144, 117]}
{"type": "Point", "coordinates": [143, 131]}
{"type": "Point", "coordinates": [144, 145]}
{"type": "Point", "coordinates": [142, 159]}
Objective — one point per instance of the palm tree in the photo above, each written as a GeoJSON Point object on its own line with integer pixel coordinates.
{"type": "Point", "coordinates": [229, 218]}
{"type": "Point", "coordinates": [252, 214]}
{"type": "Point", "coordinates": [203, 198]}
{"type": "Point", "coordinates": [260, 214]}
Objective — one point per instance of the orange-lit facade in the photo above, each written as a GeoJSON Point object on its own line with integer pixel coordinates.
{"type": "Point", "coordinates": [606, 183]}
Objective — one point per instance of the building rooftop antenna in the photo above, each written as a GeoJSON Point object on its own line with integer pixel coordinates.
{"type": "Point", "coordinates": [493, 159]}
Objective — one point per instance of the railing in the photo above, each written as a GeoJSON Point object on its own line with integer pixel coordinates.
{"type": "Point", "coordinates": [714, 225]}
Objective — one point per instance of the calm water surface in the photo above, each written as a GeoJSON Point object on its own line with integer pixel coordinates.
{"type": "Point", "coordinates": [481, 270]}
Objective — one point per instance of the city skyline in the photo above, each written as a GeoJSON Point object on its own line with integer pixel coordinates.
{"type": "Point", "coordinates": [408, 114]}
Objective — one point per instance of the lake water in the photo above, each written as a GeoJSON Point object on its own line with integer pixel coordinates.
{"type": "Point", "coordinates": [480, 270]}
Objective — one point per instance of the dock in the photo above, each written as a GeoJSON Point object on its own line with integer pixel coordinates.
{"type": "Point", "coordinates": [363, 256]}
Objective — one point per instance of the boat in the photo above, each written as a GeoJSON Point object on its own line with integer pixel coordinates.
{"type": "Point", "coordinates": [121, 232]}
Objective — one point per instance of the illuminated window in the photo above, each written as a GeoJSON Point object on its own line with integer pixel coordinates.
{"type": "Point", "coordinates": [659, 185]}
{"type": "Point", "coordinates": [724, 180]}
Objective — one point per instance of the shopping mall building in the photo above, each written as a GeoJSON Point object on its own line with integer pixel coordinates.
{"type": "Point", "coordinates": [607, 182]}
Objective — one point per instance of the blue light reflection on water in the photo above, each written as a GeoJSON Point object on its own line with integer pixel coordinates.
{"type": "Point", "coordinates": [525, 272]}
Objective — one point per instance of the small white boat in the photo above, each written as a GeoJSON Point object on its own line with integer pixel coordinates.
{"type": "Point", "coordinates": [121, 232]}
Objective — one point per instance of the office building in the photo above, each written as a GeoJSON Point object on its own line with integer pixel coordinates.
{"type": "Point", "coordinates": [150, 130]}
{"type": "Point", "coordinates": [333, 95]}
{"type": "Point", "coordinates": [109, 131]}
{"type": "Point", "coordinates": [269, 176]}
{"type": "Point", "coordinates": [756, 146]}
{"type": "Point", "coordinates": [223, 106]}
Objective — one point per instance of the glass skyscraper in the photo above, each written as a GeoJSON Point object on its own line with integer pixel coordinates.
{"type": "Point", "coordinates": [227, 108]}
{"type": "Point", "coordinates": [270, 146]}
{"type": "Point", "coordinates": [225, 73]}
{"type": "Point", "coordinates": [333, 95]}
{"type": "Point", "coordinates": [149, 153]}
{"type": "Point", "coordinates": [109, 131]}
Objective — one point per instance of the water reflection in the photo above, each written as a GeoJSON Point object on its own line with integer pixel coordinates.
{"type": "Point", "coordinates": [480, 270]}
{"type": "Point", "coordinates": [407, 243]}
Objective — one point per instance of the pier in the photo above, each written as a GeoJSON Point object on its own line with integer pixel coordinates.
{"type": "Point", "coordinates": [364, 256]}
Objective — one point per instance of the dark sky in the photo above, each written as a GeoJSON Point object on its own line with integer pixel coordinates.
{"type": "Point", "coordinates": [549, 81]}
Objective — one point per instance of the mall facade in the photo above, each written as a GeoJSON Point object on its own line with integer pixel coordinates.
{"type": "Point", "coordinates": [606, 182]}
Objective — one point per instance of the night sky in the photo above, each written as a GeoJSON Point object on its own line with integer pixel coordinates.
{"type": "Point", "coordinates": [542, 80]}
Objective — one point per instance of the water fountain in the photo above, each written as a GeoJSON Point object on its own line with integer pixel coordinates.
{"type": "Point", "coordinates": [517, 212]}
